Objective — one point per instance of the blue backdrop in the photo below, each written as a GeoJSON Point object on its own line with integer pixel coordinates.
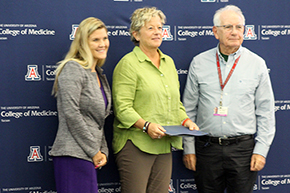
{"type": "Point", "coordinates": [35, 34]}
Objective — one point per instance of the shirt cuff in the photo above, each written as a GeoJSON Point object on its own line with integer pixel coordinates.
{"type": "Point", "coordinates": [188, 145]}
{"type": "Point", "coordinates": [261, 149]}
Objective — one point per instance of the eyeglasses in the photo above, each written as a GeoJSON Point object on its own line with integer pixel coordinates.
{"type": "Point", "coordinates": [230, 28]}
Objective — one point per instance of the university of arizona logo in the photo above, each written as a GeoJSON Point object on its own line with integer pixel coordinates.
{"type": "Point", "coordinates": [166, 34]}
{"type": "Point", "coordinates": [250, 33]}
{"type": "Point", "coordinates": [73, 32]}
{"type": "Point", "coordinates": [171, 189]}
{"type": "Point", "coordinates": [35, 155]}
{"type": "Point", "coordinates": [32, 73]}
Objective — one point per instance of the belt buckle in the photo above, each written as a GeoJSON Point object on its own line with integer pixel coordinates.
{"type": "Point", "coordinates": [221, 138]}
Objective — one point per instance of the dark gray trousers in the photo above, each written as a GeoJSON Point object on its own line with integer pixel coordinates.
{"type": "Point", "coordinates": [141, 172]}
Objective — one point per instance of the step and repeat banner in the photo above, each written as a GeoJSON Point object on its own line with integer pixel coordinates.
{"type": "Point", "coordinates": [36, 34]}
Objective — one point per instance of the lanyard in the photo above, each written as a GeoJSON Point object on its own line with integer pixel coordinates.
{"type": "Point", "coordinates": [220, 74]}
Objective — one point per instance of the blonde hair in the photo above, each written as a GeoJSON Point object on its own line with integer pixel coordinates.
{"type": "Point", "coordinates": [79, 50]}
{"type": "Point", "coordinates": [141, 16]}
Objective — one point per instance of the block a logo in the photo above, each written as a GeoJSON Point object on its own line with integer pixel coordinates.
{"type": "Point", "coordinates": [207, 1]}
{"type": "Point", "coordinates": [32, 73]}
{"type": "Point", "coordinates": [73, 32]}
{"type": "Point", "coordinates": [166, 34]}
{"type": "Point", "coordinates": [250, 33]}
{"type": "Point", "coordinates": [35, 155]}
{"type": "Point", "coordinates": [171, 189]}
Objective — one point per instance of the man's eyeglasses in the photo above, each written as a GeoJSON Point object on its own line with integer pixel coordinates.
{"type": "Point", "coordinates": [230, 28]}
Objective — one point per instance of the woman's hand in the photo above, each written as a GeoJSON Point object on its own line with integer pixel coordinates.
{"type": "Point", "coordinates": [156, 131]}
{"type": "Point", "coordinates": [100, 159]}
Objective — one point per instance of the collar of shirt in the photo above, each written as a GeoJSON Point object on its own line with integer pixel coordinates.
{"type": "Point", "coordinates": [142, 56]}
{"type": "Point", "coordinates": [234, 55]}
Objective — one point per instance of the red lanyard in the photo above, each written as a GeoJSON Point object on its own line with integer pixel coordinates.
{"type": "Point", "coordinates": [220, 73]}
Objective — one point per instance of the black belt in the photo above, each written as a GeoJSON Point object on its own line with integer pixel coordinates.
{"type": "Point", "coordinates": [225, 140]}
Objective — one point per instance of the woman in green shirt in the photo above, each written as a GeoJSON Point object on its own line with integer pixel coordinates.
{"type": "Point", "coordinates": [146, 96]}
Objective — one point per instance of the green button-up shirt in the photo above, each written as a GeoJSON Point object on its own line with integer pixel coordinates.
{"type": "Point", "coordinates": [140, 90]}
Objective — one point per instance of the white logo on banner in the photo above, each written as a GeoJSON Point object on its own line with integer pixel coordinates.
{"type": "Point", "coordinates": [166, 34]}
{"type": "Point", "coordinates": [250, 33]}
{"type": "Point", "coordinates": [32, 73]}
{"type": "Point", "coordinates": [269, 31]}
{"type": "Point", "coordinates": [35, 155]}
{"type": "Point", "coordinates": [187, 185]}
{"type": "Point", "coordinates": [50, 71]}
{"type": "Point", "coordinates": [171, 188]}
{"type": "Point", "coordinates": [73, 32]}
{"type": "Point", "coordinates": [282, 105]}
{"type": "Point", "coordinates": [184, 32]}
{"type": "Point", "coordinates": [15, 30]}
{"type": "Point", "coordinates": [124, 31]}
{"type": "Point", "coordinates": [9, 113]}
{"type": "Point", "coordinates": [267, 182]}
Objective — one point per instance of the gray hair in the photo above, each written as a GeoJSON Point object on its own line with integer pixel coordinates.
{"type": "Point", "coordinates": [216, 17]}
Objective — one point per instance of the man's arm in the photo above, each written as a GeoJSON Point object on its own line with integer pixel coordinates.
{"type": "Point", "coordinates": [190, 100]}
{"type": "Point", "coordinates": [189, 161]}
{"type": "Point", "coordinates": [265, 114]}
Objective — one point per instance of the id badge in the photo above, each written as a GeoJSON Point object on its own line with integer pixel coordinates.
{"type": "Point", "coordinates": [220, 111]}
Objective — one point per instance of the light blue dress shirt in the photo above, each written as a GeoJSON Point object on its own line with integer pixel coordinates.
{"type": "Point", "coordinates": [248, 96]}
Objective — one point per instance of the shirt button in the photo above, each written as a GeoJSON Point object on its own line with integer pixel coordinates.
{"type": "Point", "coordinates": [169, 98]}
{"type": "Point", "coordinates": [224, 122]}
{"type": "Point", "coordinates": [161, 74]}
{"type": "Point", "coordinates": [166, 86]}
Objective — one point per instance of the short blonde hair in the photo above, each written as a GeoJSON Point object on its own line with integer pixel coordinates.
{"type": "Point", "coordinates": [79, 50]}
{"type": "Point", "coordinates": [141, 16]}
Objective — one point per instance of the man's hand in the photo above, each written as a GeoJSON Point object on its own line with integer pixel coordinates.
{"type": "Point", "coordinates": [189, 161]}
{"type": "Point", "coordinates": [257, 162]}
{"type": "Point", "coordinates": [191, 125]}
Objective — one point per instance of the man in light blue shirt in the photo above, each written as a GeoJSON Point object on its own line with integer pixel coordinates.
{"type": "Point", "coordinates": [228, 94]}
